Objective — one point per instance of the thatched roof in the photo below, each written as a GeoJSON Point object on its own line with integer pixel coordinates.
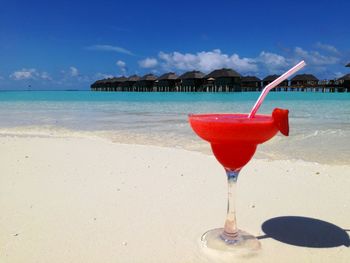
{"type": "Point", "coordinates": [304, 77]}
{"type": "Point", "coordinates": [119, 79]}
{"type": "Point", "coordinates": [250, 79]}
{"type": "Point", "coordinates": [224, 72]}
{"type": "Point", "coordinates": [345, 77]}
{"type": "Point", "coordinates": [271, 78]}
{"type": "Point", "coordinates": [192, 75]}
{"type": "Point", "coordinates": [347, 65]}
{"type": "Point", "coordinates": [104, 81]}
{"type": "Point", "coordinates": [168, 76]}
{"type": "Point", "coordinates": [148, 77]}
{"type": "Point", "coordinates": [100, 81]}
{"type": "Point", "coordinates": [97, 83]}
{"type": "Point", "coordinates": [134, 78]}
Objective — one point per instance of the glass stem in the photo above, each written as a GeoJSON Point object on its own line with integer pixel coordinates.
{"type": "Point", "coordinates": [230, 228]}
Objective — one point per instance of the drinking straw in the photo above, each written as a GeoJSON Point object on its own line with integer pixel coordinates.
{"type": "Point", "coordinates": [273, 84]}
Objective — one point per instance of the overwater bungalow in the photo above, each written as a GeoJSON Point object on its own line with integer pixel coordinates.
{"type": "Point", "coordinates": [105, 84]}
{"type": "Point", "coordinates": [146, 83]}
{"type": "Point", "coordinates": [223, 80]}
{"type": "Point", "coordinates": [283, 86]}
{"type": "Point", "coordinates": [251, 83]}
{"type": "Point", "coordinates": [191, 81]}
{"type": "Point", "coordinates": [304, 82]}
{"type": "Point", "coordinates": [220, 80]}
{"type": "Point", "coordinates": [167, 82]}
{"type": "Point", "coordinates": [344, 83]}
{"type": "Point", "coordinates": [115, 84]}
{"type": "Point", "coordinates": [98, 85]}
{"type": "Point", "coordinates": [129, 84]}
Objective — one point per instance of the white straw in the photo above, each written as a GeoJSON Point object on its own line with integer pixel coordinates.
{"type": "Point", "coordinates": [273, 84]}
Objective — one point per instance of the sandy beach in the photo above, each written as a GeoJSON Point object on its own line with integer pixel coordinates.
{"type": "Point", "coordinates": [72, 199]}
{"type": "Point", "coordinates": [112, 115]}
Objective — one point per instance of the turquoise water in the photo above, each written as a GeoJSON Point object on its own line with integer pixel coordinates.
{"type": "Point", "coordinates": [159, 96]}
{"type": "Point", "coordinates": [320, 122]}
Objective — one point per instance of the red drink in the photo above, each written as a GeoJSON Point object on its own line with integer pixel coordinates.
{"type": "Point", "coordinates": [233, 137]}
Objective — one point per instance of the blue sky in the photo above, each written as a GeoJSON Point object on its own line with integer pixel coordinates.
{"type": "Point", "coordinates": [69, 44]}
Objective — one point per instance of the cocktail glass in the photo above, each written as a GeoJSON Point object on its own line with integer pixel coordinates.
{"type": "Point", "coordinates": [234, 139]}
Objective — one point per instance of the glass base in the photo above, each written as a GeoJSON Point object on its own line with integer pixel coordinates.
{"type": "Point", "coordinates": [242, 243]}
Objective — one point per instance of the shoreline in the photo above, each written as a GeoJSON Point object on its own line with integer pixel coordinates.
{"type": "Point", "coordinates": [132, 138]}
{"type": "Point", "coordinates": [83, 199]}
{"type": "Point", "coordinates": [320, 124]}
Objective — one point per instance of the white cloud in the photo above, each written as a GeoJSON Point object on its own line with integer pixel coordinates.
{"type": "Point", "coordinates": [31, 73]}
{"type": "Point", "coordinates": [178, 60]}
{"type": "Point", "coordinates": [73, 75]}
{"type": "Point", "coordinates": [327, 47]}
{"type": "Point", "coordinates": [317, 62]}
{"type": "Point", "coordinates": [315, 58]}
{"type": "Point", "coordinates": [272, 61]}
{"type": "Point", "coordinates": [110, 48]}
{"type": "Point", "coordinates": [23, 74]}
{"type": "Point", "coordinates": [122, 66]}
{"type": "Point", "coordinates": [148, 63]}
{"type": "Point", "coordinates": [73, 71]}
{"type": "Point", "coordinates": [243, 64]}
{"type": "Point", "coordinates": [206, 61]}
{"type": "Point", "coordinates": [44, 75]}
{"type": "Point", "coordinates": [265, 62]}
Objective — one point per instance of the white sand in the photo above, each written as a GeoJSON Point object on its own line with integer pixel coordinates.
{"type": "Point", "coordinates": [87, 200]}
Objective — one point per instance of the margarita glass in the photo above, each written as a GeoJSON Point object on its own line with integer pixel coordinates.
{"type": "Point", "coordinates": [234, 139]}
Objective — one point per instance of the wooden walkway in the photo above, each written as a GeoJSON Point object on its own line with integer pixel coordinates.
{"type": "Point", "coordinates": [320, 88]}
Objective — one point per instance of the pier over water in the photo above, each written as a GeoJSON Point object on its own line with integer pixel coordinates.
{"type": "Point", "coordinates": [220, 80]}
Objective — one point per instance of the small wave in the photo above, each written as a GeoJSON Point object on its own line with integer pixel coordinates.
{"type": "Point", "coordinates": [328, 148]}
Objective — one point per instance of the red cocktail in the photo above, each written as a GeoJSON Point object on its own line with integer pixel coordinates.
{"type": "Point", "coordinates": [234, 139]}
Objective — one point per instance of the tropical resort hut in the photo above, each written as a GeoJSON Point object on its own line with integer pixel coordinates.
{"type": "Point", "coordinates": [105, 84]}
{"type": "Point", "coordinates": [304, 82]}
{"type": "Point", "coordinates": [191, 81]}
{"type": "Point", "coordinates": [344, 83]}
{"type": "Point", "coordinates": [108, 84]}
{"type": "Point", "coordinates": [251, 83]}
{"type": "Point", "coordinates": [116, 84]}
{"type": "Point", "coordinates": [209, 84]}
{"type": "Point", "coordinates": [225, 80]}
{"type": "Point", "coordinates": [129, 84]}
{"type": "Point", "coordinates": [282, 86]}
{"type": "Point", "coordinates": [167, 82]}
{"type": "Point", "coordinates": [98, 85]}
{"type": "Point", "coordinates": [146, 83]}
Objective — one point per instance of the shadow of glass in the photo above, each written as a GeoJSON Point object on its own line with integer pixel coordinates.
{"type": "Point", "coordinates": [305, 232]}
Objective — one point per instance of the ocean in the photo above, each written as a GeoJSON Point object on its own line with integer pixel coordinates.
{"type": "Point", "coordinates": [319, 122]}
